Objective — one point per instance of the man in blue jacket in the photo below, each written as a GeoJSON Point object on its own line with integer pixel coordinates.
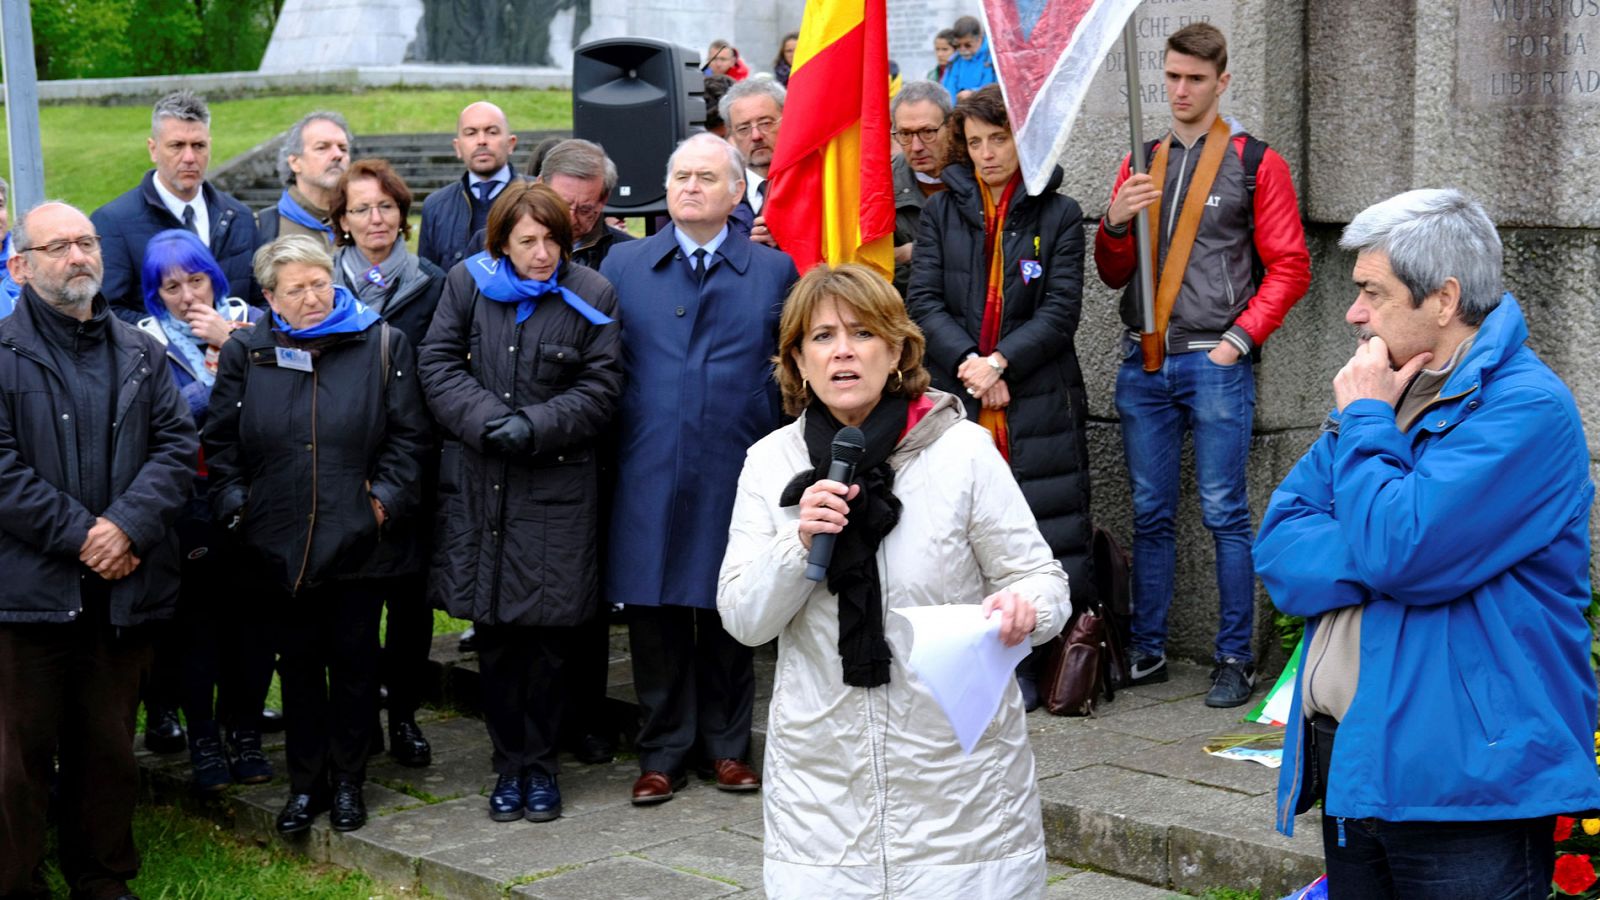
{"type": "Point", "coordinates": [454, 216]}
{"type": "Point", "coordinates": [700, 305]}
{"type": "Point", "coordinates": [175, 194]}
{"type": "Point", "coordinates": [1436, 538]}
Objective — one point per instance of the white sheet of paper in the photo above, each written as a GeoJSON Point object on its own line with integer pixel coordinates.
{"type": "Point", "coordinates": [957, 653]}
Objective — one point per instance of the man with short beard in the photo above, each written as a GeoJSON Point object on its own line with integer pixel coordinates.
{"type": "Point", "coordinates": [453, 218]}
{"type": "Point", "coordinates": [97, 456]}
{"type": "Point", "coordinates": [311, 161]}
{"type": "Point", "coordinates": [174, 194]}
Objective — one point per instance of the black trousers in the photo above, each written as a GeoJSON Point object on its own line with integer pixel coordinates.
{"type": "Point", "coordinates": [74, 688]}
{"type": "Point", "coordinates": [694, 681]}
{"type": "Point", "coordinates": [327, 643]}
{"type": "Point", "coordinates": [408, 637]}
{"type": "Point", "coordinates": [588, 665]}
{"type": "Point", "coordinates": [523, 669]}
{"type": "Point", "coordinates": [214, 644]}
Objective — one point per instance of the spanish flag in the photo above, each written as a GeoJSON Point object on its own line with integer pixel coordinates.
{"type": "Point", "coordinates": [832, 194]}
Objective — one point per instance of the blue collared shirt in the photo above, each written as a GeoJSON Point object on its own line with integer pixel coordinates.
{"type": "Point", "coordinates": [501, 179]}
{"type": "Point", "coordinates": [710, 247]}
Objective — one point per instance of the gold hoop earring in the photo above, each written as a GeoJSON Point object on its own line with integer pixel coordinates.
{"type": "Point", "coordinates": [899, 380]}
{"type": "Point", "coordinates": [805, 385]}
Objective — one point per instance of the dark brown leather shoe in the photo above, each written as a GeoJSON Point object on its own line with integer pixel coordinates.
{"type": "Point", "coordinates": [657, 787]}
{"type": "Point", "coordinates": [733, 775]}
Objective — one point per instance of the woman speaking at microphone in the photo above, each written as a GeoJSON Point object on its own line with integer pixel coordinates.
{"type": "Point", "coordinates": [867, 787]}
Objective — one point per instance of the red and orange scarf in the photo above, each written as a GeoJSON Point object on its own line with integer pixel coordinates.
{"type": "Point", "coordinates": [994, 300]}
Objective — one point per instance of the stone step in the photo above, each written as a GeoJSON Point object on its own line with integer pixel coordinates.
{"type": "Point", "coordinates": [1133, 809]}
{"type": "Point", "coordinates": [1129, 792]}
{"type": "Point", "coordinates": [428, 831]}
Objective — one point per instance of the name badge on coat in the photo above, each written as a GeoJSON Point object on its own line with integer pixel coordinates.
{"type": "Point", "coordinates": [294, 358]}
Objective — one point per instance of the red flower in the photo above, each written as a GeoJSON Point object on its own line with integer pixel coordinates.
{"type": "Point", "coordinates": [1574, 873]}
{"type": "Point", "coordinates": [1563, 828]}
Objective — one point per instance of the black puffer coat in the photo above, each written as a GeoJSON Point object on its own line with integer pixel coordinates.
{"type": "Point", "coordinates": [517, 541]}
{"type": "Point", "coordinates": [296, 454]}
{"type": "Point", "coordinates": [42, 523]}
{"type": "Point", "coordinates": [1049, 455]}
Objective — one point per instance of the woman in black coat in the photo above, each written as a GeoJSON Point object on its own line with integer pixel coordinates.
{"type": "Point", "coordinates": [315, 438]}
{"type": "Point", "coordinates": [522, 369]}
{"type": "Point", "coordinates": [371, 211]}
{"type": "Point", "coordinates": [998, 297]}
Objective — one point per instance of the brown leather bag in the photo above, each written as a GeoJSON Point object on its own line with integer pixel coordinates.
{"type": "Point", "coordinates": [1090, 659]}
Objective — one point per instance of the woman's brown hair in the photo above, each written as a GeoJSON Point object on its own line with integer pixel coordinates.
{"type": "Point", "coordinates": [881, 311]}
{"type": "Point", "coordinates": [389, 181]}
{"type": "Point", "coordinates": [524, 198]}
{"type": "Point", "coordinates": [987, 105]}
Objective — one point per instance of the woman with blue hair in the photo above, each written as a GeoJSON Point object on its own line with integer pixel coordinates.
{"type": "Point", "coordinates": [192, 316]}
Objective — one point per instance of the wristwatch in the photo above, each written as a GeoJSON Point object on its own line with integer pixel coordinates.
{"type": "Point", "coordinates": [995, 364]}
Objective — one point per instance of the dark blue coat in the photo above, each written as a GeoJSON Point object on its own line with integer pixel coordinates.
{"type": "Point", "coordinates": [699, 392]}
{"type": "Point", "coordinates": [444, 239]}
{"type": "Point", "coordinates": [127, 224]}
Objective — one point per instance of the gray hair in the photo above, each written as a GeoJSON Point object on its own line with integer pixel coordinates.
{"type": "Point", "coordinates": [759, 85]}
{"type": "Point", "coordinates": [5, 192]}
{"type": "Point", "coordinates": [967, 26]}
{"type": "Point", "coordinates": [578, 158]}
{"type": "Point", "coordinates": [922, 92]}
{"type": "Point", "coordinates": [185, 106]}
{"type": "Point", "coordinates": [1431, 235]}
{"type": "Point", "coordinates": [295, 143]}
{"type": "Point", "coordinates": [735, 158]}
{"type": "Point", "coordinates": [292, 248]}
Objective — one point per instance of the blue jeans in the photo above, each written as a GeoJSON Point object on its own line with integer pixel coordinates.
{"type": "Point", "coordinates": [1500, 860]}
{"type": "Point", "coordinates": [1216, 404]}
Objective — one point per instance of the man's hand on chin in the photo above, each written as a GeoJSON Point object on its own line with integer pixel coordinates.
{"type": "Point", "coordinates": [1369, 376]}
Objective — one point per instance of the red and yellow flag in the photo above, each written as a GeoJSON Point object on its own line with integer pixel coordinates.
{"type": "Point", "coordinates": [832, 192]}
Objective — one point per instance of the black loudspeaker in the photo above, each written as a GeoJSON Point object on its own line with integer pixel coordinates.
{"type": "Point", "coordinates": [637, 98]}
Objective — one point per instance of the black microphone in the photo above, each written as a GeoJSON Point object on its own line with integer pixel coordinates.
{"type": "Point", "coordinates": [849, 445]}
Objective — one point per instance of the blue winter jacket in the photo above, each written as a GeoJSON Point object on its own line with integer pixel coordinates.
{"type": "Point", "coordinates": [969, 74]}
{"type": "Point", "coordinates": [1467, 541]}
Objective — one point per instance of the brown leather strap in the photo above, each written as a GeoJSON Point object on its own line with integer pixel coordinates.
{"type": "Point", "coordinates": [1182, 242]}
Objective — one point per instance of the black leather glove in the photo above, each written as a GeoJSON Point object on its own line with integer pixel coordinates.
{"type": "Point", "coordinates": [508, 435]}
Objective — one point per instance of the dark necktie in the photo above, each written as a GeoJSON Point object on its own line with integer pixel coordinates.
{"type": "Point", "coordinates": [700, 263]}
{"type": "Point", "coordinates": [484, 189]}
{"type": "Point", "coordinates": [761, 189]}
{"type": "Point", "coordinates": [188, 219]}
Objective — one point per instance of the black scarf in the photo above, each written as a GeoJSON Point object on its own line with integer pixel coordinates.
{"type": "Point", "coordinates": [853, 572]}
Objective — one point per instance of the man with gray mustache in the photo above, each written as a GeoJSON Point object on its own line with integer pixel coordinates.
{"type": "Point", "coordinates": [97, 456]}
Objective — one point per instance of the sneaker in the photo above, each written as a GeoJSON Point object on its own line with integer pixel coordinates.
{"type": "Point", "coordinates": [245, 758]}
{"type": "Point", "coordinates": [1232, 682]}
{"type": "Point", "coordinates": [1146, 668]}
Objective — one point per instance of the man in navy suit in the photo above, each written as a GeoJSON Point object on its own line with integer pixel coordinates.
{"type": "Point", "coordinates": [175, 194]}
{"type": "Point", "coordinates": [700, 306]}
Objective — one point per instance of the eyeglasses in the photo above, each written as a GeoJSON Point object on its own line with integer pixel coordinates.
{"type": "Point", "coordinates": [58, 249]}
{"type": "Point", "coordinates": [318, 288]}
{"type": "Point", "coordinates": [384, 210]}
{"type": "Point", "coordinates": [927, 135]}
{"type": "Point", "coordinates": [767, 126]}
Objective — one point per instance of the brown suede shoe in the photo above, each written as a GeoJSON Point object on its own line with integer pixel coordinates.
{"type": "Point", "coordinates": [657, 787]}
{"type": "Point", "coordinates": [733, 775]}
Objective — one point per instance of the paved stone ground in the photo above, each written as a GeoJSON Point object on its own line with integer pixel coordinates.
{"type": "Point", "coordinates": [1133, 809]}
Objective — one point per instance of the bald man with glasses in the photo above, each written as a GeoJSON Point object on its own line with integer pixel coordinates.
{"type": "Point", "coordinates": [97, 456]}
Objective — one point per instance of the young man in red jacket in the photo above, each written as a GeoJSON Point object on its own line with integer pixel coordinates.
{"type": "Point", "coordinates": [1222, 313]}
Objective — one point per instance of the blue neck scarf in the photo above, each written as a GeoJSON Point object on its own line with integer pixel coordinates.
{"type": "Point", "coordinates": [295, 213]}
{"type": "Point", "coordinates": [348, 315]}
{"type": "Point", "coordinates": [181, 338]}
{"type": "Point", "coordinates": [499, 282]}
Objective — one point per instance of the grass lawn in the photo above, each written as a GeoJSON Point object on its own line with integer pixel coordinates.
{"type": "Point", "coordinates": [189, 858]}
{"type": "Point", "coordinates": [94, 153]}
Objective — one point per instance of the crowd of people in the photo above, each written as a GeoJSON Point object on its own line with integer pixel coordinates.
{"type": "Point", "coordinates": [233, 441]}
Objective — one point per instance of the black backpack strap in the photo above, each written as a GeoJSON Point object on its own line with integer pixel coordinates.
{"type": "Point", "coordinates": [1254, 150]}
